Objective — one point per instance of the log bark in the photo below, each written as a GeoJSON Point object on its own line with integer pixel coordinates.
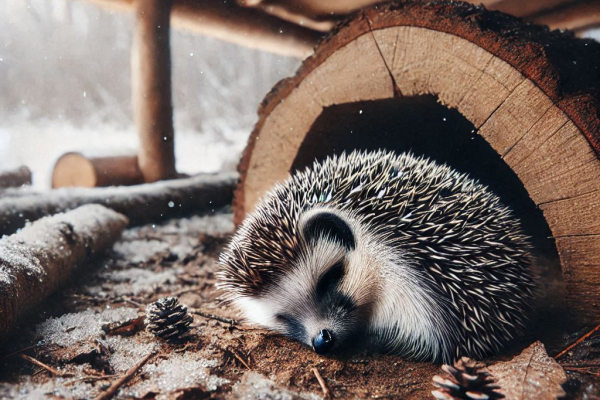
{"type": "Point", "coordinates": [140, 203]}
{"type": "Point", "coordinates": [15, 178]}
{"type": "Point", "coordinates": [532, 95]}
{"type": "Point", "coordinates": [151, 83]}
{"type": "Point", "coordinates": [78, 170]}
{"type": "Point", "coordinates": [41, 257]}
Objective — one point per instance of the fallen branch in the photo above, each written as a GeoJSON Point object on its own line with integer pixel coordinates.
{"type": "Point", "coordinates": [213, 316]}
{"type": "Point", "coordinates": [110, 392]}
{"type": "Point", "coordinates": [326, 392]}
{"type": "Point", "coordinates": [140, 203]}
{"type": "Point", "coordinates": [40, 258]}
{"type": "Point", "coordinates": [577, 342]}
{"type": "Point", "coordinates": [44, 366]}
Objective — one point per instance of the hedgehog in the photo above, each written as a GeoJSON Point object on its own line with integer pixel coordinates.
{"type": "Point", "coordinates": [386, 252]}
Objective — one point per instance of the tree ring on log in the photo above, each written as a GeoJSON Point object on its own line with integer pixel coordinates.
{"type": "Point", "coordinates": [532, 95]}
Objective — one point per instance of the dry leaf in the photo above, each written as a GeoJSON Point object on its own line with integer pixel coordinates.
{"type": "Point", "coordinates": [530, 375]}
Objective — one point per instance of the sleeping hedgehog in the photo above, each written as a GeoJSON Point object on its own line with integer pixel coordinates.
{"type": "Point", "coordinates": [390, 252]}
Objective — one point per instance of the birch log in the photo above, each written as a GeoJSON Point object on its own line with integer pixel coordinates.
{"type": "Point", "coordinates": [40, 258]}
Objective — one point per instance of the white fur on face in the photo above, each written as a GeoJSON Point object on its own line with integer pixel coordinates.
{"type": "Point", "coordinates": [403, 316]}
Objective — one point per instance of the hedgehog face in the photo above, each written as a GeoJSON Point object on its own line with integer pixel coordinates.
{"type": "Point", "coordinates": [326, 297]}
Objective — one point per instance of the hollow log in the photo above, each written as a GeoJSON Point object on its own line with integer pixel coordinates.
{"type": "Point", "coordinates": [41, 257]}
{"type": "Point", "coordinates": [78, 170]}
{"type": "Point", "coordinates": [151, 84]}
{"type": "Point", "coordinates": [510, 103]}
{"type": "Point", "coordinates": [140, 203]}
{"type": "Point", "coordinates": [15, 178]}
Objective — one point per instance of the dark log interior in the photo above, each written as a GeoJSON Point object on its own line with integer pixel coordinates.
{"type": "Point", "coordinates": [423, 126]}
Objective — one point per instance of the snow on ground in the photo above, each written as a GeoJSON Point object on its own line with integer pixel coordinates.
{"type": "Point", "coordinates": [71, 329]}
{"type": "Point", "coordinates": [174, 374]}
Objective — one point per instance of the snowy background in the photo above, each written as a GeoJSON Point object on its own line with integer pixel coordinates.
{"type": "Point", "coordinates": [65, 86]}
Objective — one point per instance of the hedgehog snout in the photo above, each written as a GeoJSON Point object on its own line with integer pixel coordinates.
{"type": "Point", "coordinates": [323, 342]}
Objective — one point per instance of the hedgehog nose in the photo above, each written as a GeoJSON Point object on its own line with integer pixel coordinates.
{"type": "Point", "coordinates": [323, 342]}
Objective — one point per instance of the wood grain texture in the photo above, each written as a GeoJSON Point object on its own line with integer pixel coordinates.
{"type": "Point", "coordinates": [580, 259]}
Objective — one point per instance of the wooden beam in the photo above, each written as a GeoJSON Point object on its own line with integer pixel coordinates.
{"type": "Point", "coordinates": [525, 8]}
{"type": "Point", "coordinates": [297, 18]}
{"type": "Point", "coordinates": [247, 27]}
{"type": "Point", "coordinates": [576, 17]}
{"type": "Point", "coordinates": [151, 83]}
{"type": "Point", "coordinates": [243, 26]}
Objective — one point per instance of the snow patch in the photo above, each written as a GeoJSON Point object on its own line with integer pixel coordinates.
{"type": "Point", "coordinates": [254, 386]}
{"type": "Point", "coordinates": [71, 329]}
{"type": "Point", "coordinates": [137, 251]}
{"type": "Point", "coordinates": [134, 281]}
{"type": "Point", "coordinates": [175, 373]}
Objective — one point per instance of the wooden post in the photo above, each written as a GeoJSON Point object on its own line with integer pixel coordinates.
{"type": "Point", "coordinates": [151, 81]}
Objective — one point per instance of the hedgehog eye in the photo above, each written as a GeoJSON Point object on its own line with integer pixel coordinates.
{"type": "Point", "coordinates": [331, 278]}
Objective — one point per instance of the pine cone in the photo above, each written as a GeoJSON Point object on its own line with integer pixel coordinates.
{"type": "Point", "coordinates": [168, 319]}
{"type": "Point", "coordinates": [466, 380]}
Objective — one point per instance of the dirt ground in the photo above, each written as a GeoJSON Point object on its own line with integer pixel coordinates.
{"type": "Point", "coordinates": [92, 332]}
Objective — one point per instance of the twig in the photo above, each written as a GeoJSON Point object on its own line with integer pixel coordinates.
{"type": "Point", "coordinates": [326, 391]}
{"type": "Point", "coordinates": [581, 339]}
{"type": "Point", "coordinates": [108, 393]}
{"type": "Point", "coordinates": [89, 379]}
{"type": "Point", "coordinates": [133, 302]}
{"type": "Point", "coordinates": [240, 359]}
{"type": "Point", "coordinates": [44, 366]}
{"type": "Point", "coordinates": [18, 351]}
{"type": "Point", "coordinates": [213, 316]}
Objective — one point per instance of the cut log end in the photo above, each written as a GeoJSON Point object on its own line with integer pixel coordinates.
{"type": "Point", "coordinates": [378, 82]}
{"type": "Point", "coordinates": [77, 170]}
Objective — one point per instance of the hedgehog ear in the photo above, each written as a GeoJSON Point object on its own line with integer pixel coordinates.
{"type": "Point", "coordinates": [322, 223]}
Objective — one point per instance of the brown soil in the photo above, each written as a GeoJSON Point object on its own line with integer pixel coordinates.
{"type": "Point", "coordinates": [132, 276]}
